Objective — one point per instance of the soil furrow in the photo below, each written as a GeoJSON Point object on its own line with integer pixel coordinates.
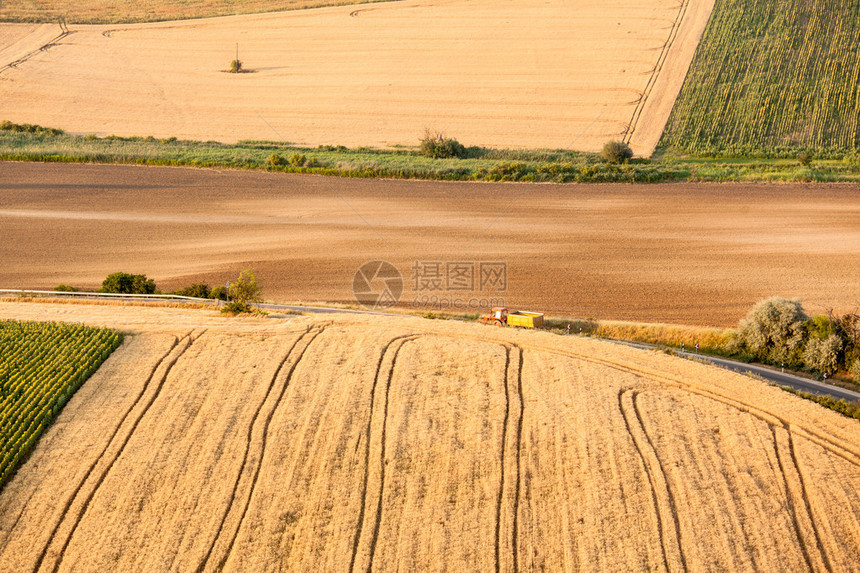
{"type": "Point", "coordinates": [92, 467]}
{"type": "Point", "coordinates": [289, 376]}
{"type": "Point", "coordinates": [249, 434]}
{"type": "Point", "coordinates": [190, 340]}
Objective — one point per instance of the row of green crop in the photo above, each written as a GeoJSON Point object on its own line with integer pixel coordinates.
{"type": "Point", "coordinates": [772, 74]}
{"type": "Point", "coordinates": [42, 364]}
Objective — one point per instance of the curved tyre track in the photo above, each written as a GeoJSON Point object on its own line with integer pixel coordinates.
{"type": "Point", "coordinates": [177, 349]}
{"type": "Point", "coordinates": [377, 376]}
{"type": "Point", "coordinates": [377, 520]}
{"type": "Point", "coordinates": [664, 502]}
{"type": "Point", "coordinates": [249, 437]}
{"type": "Point", "coordinates": [507, 518]}
{"type": "Point", "coordinates": [64, 31]}
{"type": "Point", "coordinates": [265, 432]}
{"type": "Point", "coordinates": [801, 513]}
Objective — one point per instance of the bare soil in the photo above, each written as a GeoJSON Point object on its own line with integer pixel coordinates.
{"type": "Point", "coordinates": [698, 254]}
{"type": "Point", "coordinates": [515, 73]}
{"type": "Point", "coordinates": [377, 443]}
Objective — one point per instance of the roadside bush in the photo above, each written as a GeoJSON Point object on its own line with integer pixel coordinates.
{"type": "Point", "coordinates": [275, 160]}
{"type": "Point", "coordinates": [126, 283]}
{"type": "Point", "coordinates": [298, 159]}
{"type": "Point", "coordinates": [245, 289]}
{"type": "Point", "coordinates": [197, 290]}
{"type": "Point", "coordinates": [236, 308]}
{"type": "Point", "coordinates": [854, 370]}
{"type": "Point", "coordinates": [616, 152]}
{"type": "Point", "coordinates": [822, 354]}
{"type": "Point", "coordinates": [773, 331]}
{"type": "Point", "coordinates": [65, 288]}
{"type": "Point", "coordinates": [7, 125]}
{"type": "Point", "coordinates": [218, 293]}
{"type": "Point", "coordinates": [804, 157]}
{"type": "Point", "coordinates": [434, 144]}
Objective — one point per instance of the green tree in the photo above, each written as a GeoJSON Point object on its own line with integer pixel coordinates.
{"type": "Point", "coordinates": [243, 291]}
{"type": "Point", "coordinates": [126, 283]}
{"type": "Point", "coordinates": [822, 354]}
{"type": "Point", "coordinates": [774, 330]}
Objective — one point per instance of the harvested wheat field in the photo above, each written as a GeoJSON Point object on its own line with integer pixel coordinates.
{"type": "Point", "coordinates": [525, 74]}
{"type": "Point", "coordinates": [696, 254]}
{"type": "Point", "coordinates": [357, 443]}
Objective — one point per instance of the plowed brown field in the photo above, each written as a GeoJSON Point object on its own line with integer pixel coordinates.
{"type": "Point", "coordinates": [698, 254]}
{"type": "Point", "coordinates": [356, 443]}
{"type": "Point", "coordinates": [567, 74]}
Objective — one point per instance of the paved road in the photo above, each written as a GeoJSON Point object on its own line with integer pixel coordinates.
{"type": "Point", "coordinates": [769, 374]}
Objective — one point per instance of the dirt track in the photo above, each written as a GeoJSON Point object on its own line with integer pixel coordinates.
{"type": "Point", "coordinates": [687, 253]}
{"type": "Point", "coordinates": [496, 73]}
{"type": "Point", "coordinates": [356, 443]}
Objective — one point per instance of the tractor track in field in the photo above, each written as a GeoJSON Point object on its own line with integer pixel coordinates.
{"type": "Point", "coordinates": [519, 440]}
{"type": "Point", "coordinates": [189, 339]}
{"type": "Point", "coordinates": [223, 561]}
{"type": "Point", "coordinates": [504, 447]}
{"type": "Point", "coordinates": [792, 506]}
{"type": "Point", "coordinates": [649, 87]}
{"type": "Point", "coordinates": [92, 467]}
{"type": "Point", "coordinates": [248, 442]}
{"type": "Point", "coordinates": [819, 545]}
{"type": "Point", "coordinates": [378, 518]}
{"type": "Point", "coordinates": [661, 495]}
{"type": "Point", "coordinates": [64, 31]}
{"type": "Point", "coordinates": [376, 377]}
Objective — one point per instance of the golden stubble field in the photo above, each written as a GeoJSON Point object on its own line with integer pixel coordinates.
{"type": "Point", "coordinates": [356, 443]}
{"type": "Point", "coordinates": [696, 254]}
{"type": "Point", "coordinates": [524, 74]}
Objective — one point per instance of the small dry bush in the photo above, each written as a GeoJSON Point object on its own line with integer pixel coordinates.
{"type": "Point", "coordinates": [235, 67]}
{"type": "Point", "coordinates": [434, 144]}
{"type": "Point", "coordinates": [616, 152]}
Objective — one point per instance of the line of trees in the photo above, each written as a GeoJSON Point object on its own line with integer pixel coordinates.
{"type": "Point", "coordinates": [779, 332]}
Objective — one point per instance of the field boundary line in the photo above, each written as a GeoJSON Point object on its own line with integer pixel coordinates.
{"type": "Point", "coordinates": [249, 438]}
{"type": "Point", "coordinates": [367, 435]}
{"type": "Point", "coordinates": [223, 561]}
{"type": "Point", "coordinates": [190, 339]}
{"type": "Point", "coordinates": [652, 80]}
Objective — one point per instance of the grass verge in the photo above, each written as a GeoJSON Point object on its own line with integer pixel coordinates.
{"type": "Point", "coordinates": [34, 143]}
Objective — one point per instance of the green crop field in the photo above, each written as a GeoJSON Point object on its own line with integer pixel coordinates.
{"type": "Point", "coordinates": [41, 366]}
{"type": "Point", "coordinates": [772, 77]}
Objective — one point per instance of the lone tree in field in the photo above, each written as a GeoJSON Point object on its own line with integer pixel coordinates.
{"type": "Point", "coordinates": [616, 152]}
{"type": "Point", "coordinates": [774, 330]}
{"type": "Point", "coordinates": [243, 292]}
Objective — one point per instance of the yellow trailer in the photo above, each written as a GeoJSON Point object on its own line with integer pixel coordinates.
{"type": "Point", "coordinates": [500, 316]}
{"type": "Point", "coordinates": [525, 319]}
